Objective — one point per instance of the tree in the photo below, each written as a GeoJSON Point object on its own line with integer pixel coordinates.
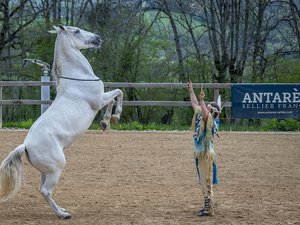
{"type": "Point", "coordinates": [293, 20]}
{"type": "Point", "coordinates": [14, 17]}
{"type": "Point", "coordinates": [268, 46]}
{"type": "Point", "coordinates": [164, 7]}
{"type": "Point", "coordinates": [258, 47]}
{"type": "Point", "coordinates": [69, 6]}
{"type": "Point", "coordinates": [193, 28]}
{"type": "Point", "coordinates": [124, 31]}
{"type": "Point", "coordinates": [229, 34]}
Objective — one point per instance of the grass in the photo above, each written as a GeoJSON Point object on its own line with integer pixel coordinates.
{"type": "Point", "coordinates": [241, 125]}
{"type": "Point", "coordinates": [18, 124]}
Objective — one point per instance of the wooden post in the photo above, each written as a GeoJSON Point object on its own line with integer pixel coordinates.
{"type": "Point", "coordinates": [45, 93]}
{"type": "Point", "coordinates": [216, 94]}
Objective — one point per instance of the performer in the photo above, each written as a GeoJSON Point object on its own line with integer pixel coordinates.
{"type": "Point", "coordinates": [205, 125]}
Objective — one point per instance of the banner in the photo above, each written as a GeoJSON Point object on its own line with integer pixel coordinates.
{"type": "Point", "coordinates": [266, 101]}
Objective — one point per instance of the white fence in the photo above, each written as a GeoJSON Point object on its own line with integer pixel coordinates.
{"type": "Point", "coordinates": [108, 86]}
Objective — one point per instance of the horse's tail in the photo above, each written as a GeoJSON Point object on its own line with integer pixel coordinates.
{"type": "Point", "coordinates": [11, 173]}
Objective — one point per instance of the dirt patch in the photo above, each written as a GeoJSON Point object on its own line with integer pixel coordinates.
{"type": "Point", "coordinates": [148, 178]}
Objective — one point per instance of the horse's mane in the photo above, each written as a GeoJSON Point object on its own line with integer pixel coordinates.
{"type": "Point", "coordinates": [54, 70]}
{"type": "Point", "coordinates": [53, 73]}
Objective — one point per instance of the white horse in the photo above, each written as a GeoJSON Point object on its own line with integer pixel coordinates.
{"type": "Point", "coordinates": [80, 95]}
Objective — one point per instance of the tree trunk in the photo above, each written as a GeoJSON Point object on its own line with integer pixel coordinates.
{"type": "Point", "coordinates": [47, 15]}
{"type": "Point", "coordinates": [181, 72]}
{"type": "Point", "coordinates": [54, 11]}
{"type": "Point", "coordinates": [72, 12]}
{"type": "Point", "coordinates": [295, 17]}
{"type": "Point", "coordinates": [218, 13]}
{"type": "Point", "coordinates": [59, 11]}
{"type": "Point", "coordinates": [5, 26]}
{"type": "Point", "coordinates": [67, 11]}
{"type": "Point", "coordinates": [258, 40]}
{"type": "Point", "coordinates": [238, 51]}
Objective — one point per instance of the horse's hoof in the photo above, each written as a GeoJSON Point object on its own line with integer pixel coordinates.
{"type": "Point", "coordinates": [66, 216]}
{"type": "Point", "coordinates": [63, 215]}
{"type": "Point", "coordinates": [103, 125]}
{"type": "Point", "coordinates": [114, 119]}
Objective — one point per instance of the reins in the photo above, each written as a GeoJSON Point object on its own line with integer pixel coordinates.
{"type": "Point", "coordinates": [70, 78]}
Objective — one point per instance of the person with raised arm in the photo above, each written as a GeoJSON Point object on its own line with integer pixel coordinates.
{"type": "Point", "coordinates": [205, 126]}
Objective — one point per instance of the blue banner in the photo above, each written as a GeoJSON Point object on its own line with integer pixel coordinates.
{"type": "Point", "coordinates": [266, 101]}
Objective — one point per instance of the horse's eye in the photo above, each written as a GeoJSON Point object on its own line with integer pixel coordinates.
{"type": "Point", "coordinates": [77, 31]}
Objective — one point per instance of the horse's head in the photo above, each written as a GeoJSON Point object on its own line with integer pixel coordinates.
{"type": "Point", "coordinates": [80, 39]}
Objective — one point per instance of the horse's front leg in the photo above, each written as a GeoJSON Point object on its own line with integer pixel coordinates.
{"type": "Point", "coordinates": [108, 99]}
{"type": "Point", "coordinates": [107, 116]}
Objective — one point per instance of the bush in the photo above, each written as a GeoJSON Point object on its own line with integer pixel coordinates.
{"type": "Point", "coordinates": [282, 125]}
{"type": "Point", "coordinates": [20, 124]}
{"type": "Point", "coordinates": [265, 125]}
{"type": "Point", "coordinates": [151, 126]}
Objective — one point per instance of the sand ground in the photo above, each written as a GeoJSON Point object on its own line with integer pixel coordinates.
{"type": "Point", "coordinates": [149, 178]}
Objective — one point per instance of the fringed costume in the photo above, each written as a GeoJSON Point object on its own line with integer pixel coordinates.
{"type": "Point", "coordinates": [205, 157]}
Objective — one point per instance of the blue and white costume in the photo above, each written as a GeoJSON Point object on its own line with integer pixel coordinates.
{"type": "Point", "coordinates": [204, 154]}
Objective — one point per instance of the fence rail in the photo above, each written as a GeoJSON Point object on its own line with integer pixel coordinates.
{"type": "Point", "coordinates": [110, 85]}
{"type": "Point", "coordinates": [118, 84]}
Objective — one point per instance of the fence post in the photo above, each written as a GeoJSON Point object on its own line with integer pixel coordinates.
{"type": "Point", "coordinates": [45, 90]}
{"type": "Point", "coordinates": [216, 94]}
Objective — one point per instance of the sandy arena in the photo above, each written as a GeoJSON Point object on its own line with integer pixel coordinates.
{"type": "Point", "coordinates": [149, 178]}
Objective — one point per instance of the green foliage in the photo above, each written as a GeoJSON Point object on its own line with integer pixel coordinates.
{"type": "Point", "coordinates": [285, 71]}
{"type": "Point", "coordinates": [263, 125]}
{"type": "Point", "coordinates": [94, 126]}
{"type": "Point", "coordinates": [19, 124]}
{"type": "Point", "coordinates": [42, 44]}
{"type": "Point", "coordinates": [266, 125]}
{"type": "Point", "coordinates": [151, 126]}
{"type": "Point", "coordinates": [281, 125]}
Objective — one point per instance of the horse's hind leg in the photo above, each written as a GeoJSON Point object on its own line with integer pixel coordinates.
{"type": "Point", "coordinates": [43, 178]}
{"type": "Point", "coordinates": [46, 189]}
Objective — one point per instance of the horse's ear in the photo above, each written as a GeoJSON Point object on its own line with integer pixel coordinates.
{"type": "Point", "coordinates": [61, 27]}
{"type": "Point", "coordinates": [52, 31]}
{"type": "Point", "coordinates": [56, 30]}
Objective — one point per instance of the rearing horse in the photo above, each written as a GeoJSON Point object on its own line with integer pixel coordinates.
{"type": "Point", "coordinates": [80, 95]}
